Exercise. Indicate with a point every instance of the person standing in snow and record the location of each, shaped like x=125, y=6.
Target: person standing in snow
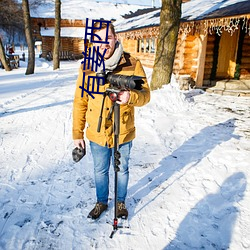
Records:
x=86, y=109
x=11, y=50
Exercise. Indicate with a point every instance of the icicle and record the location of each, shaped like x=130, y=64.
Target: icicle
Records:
x=216, y=25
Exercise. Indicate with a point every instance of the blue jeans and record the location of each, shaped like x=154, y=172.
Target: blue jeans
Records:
x=102, y=158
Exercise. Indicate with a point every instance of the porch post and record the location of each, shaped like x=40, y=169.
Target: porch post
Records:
x=202, y=39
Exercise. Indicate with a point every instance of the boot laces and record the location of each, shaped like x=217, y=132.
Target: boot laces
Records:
x=97, y=208
x=121, y=206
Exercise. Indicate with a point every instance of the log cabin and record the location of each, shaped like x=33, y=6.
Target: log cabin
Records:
x=213, y=41
x=72, y=37
x=73, y=14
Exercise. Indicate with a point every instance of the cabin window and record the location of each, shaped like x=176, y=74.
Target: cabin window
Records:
x=140, y=45
x=146, y=45
x=152, y=45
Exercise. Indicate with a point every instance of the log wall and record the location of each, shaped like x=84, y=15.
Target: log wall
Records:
x=74, y=45
x=50, y=22
x=190, y=54
x=186, y=56
x=179, y=59
x=132, y=46
x=185, y=59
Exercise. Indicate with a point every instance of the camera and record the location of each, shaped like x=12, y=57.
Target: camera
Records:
x=117, y=83
x=122, y=81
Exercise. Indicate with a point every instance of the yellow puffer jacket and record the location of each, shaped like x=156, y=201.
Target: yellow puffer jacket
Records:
x=87, y=109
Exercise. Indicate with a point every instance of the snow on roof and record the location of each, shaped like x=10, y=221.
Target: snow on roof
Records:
x=197, y=9
x=145, y=20
x=78, y=9
x=65, y=32
x=192, y=10
x=138, y=2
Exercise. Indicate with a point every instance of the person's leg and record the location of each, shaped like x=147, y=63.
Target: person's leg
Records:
x=123, y=174
x=101, y=157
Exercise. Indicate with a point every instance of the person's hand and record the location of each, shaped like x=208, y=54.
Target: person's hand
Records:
x=78, y=152
x=123, y=97
x=79, y=143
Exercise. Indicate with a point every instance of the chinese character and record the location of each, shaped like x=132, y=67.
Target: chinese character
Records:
x=95, y=58
x=99, y=80
x=92, y=34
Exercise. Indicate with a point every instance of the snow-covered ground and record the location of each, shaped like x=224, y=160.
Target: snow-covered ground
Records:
x=189, y=170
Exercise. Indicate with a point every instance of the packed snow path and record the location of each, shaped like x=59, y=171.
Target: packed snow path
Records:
x=189, y=170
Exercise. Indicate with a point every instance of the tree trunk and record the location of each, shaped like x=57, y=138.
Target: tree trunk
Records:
x=168, y=34
x=29, y=38
x=56, y=59
x=3, y=57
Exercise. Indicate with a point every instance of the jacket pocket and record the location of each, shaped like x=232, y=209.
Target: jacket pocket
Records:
x=126, y=119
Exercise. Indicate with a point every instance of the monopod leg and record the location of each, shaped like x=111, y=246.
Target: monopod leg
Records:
x=116, y=161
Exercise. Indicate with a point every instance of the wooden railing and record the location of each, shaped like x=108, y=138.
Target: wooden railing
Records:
x=63, y=55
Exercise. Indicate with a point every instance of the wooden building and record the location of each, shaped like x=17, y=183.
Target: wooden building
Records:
x=212, y=45
x=73, y=14
x=72, y=36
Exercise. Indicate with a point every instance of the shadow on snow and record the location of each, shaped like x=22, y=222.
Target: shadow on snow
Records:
x=23, y=110
x=210, y=223
x=190, y=153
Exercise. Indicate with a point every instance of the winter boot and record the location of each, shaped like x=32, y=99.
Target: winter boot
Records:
x=97, y=210
x=122, y=211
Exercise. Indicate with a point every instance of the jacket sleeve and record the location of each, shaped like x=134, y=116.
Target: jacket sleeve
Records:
x=80, y=106
x=141, y=97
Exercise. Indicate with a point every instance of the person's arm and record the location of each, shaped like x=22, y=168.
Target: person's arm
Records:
x=80, y=106
x=140, y=97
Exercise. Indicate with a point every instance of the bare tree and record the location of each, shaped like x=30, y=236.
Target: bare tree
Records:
x=11, y=24
x=11, y=16
x=3, y=57
x=28, y=33
x=36, y=3
x=168, y=34
x=56, y=59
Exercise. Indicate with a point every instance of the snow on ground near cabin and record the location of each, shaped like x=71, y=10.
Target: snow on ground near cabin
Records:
x=189, y=169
